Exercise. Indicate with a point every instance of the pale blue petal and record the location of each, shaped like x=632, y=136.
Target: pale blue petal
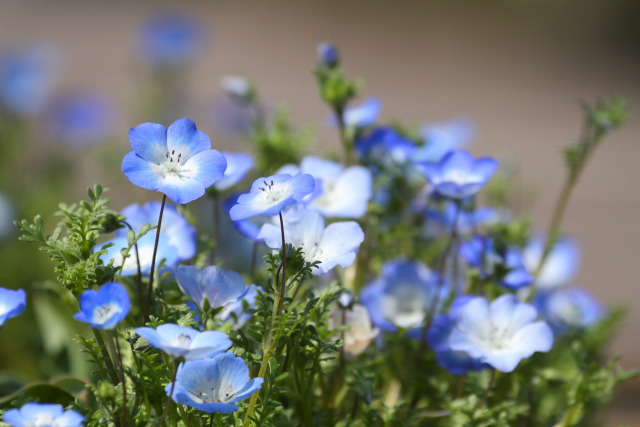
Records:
x=207, y=167
x=222, y=286
x=271, y=236
x=140, y=172
x=180, y=190
x=149, y=141
x=238, y=164
x=505, y=361
x=185, y=138
x=191, y=283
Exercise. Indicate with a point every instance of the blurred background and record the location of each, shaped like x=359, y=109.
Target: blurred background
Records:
x=89, y=71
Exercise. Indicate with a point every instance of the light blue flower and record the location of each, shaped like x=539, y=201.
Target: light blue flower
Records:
x=328, y=54
x=568, y=308
x=179, y=341
x=12, y=303
x=104, y=308
x=440, y=138
x=440, y=221
x=250, y=227
x=500, y=333
x=239, y=311
x=218, y=286
x=238, y=164
x=213, y=385
x=42, y=415
x=337, y=244
x=268, y=196
x=171, y=41
x=402, y=295
x=561, y=264
x=178, y=161
x=339, y=191
x=384, y=147
x=458, y=174
x=362, y=115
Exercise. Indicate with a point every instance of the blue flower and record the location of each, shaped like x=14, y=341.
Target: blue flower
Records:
x=213, y=385
x=328, y=54
x=179, y=341
x=402, y=295
x=466, y=221
x=268, y=196
x=178, y=161
x=12, y=303
x=171, y=41
x=384, y=146
x=339, y=191
x=104, y=308
x=238, y=164
x=500, y=334
x=250, y=227
x=304, y=228
x=561, y=264
x=458, y=174
x=42, y=415
x=568, y=308
x=362, y=115
x=440, y=138
x=218, y=286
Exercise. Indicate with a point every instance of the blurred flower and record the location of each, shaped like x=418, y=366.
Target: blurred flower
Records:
x=384, y=146
x=238, y=164
x=328, y=54
x=80, y=119
x=500, y=334
x=561, y=264
x=104, y=308
x=362, y=115
x=213, y=385
x=178, y=161
x=458, y=174
x=42, y=415
x=440, y=221
x=239, y=311
x=402, y=295
x=238, y=88
x=12, y=303
x=440, y=138
x=304, y=228
x=250, y=227
x=171, y=41
x=568, y=308
x=178, y=341
x=27, y=79
x=268, y=196
x=359, y=332
x=339, y=191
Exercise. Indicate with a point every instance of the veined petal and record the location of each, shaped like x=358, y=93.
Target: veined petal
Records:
x=149, y=141
x=207, y=167
x=185, y=138
x=140, y=172
x=222, y=286
x=181, y=190
x=191, y=283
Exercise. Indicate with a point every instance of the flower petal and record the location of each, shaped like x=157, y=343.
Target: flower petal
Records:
x=140, y=172
x=185, y=138
x=149, y=141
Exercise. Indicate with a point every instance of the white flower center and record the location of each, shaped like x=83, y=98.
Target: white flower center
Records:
x=3, y=310
x=271, y=193
x=182, y=341
x=405, y=307
x=459, y=177
x=216, y=393
x=105, y=312
x=42, y=420
x=173, y=165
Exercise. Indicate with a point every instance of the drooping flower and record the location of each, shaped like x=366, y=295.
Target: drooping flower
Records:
x=500, y=333
x=402, y=295
x=42, y=415
x=238, y=164
x=104, y=308
x=458, y=175
x=268, y=196
x=178, y=161
x=561, y=264
x=12, y=303
x=362, y=115
x=304, y=228
x=179, y=341
x=328, y=54
x=339, y=192
x=568, y=308
x=213, y=385
x=359, y=332
x=440, y=138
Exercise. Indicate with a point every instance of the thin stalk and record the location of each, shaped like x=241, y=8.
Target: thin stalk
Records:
x=142, y=382
x=489, y=386
x=143, y=306
x=153, y=258
x=122, y=378
x=346, y=146
x=284, y=267
x=254, y=256
x=106, y=356
x=173, y=386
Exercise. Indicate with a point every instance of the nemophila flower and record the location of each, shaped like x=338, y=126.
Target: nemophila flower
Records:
x=178, y=161
x=268, y=196
x=339, y=191
x=456, y=362
x=42, y=415
x=250, y=227
x=560, y=266
x=12, y=303
x=568, y=308
x=104, y=308
x=80, y=119
x=337, y=244
x=358, y=333
x=219, y=287
x=458, y=175
x=328, y=54
x=362, y=115
x=480, y=253
x=402, y=295
x=500, y=333
x=238, y=164
x=439, y=221
x=179, y=341
x=440, y=138
x=213, y=385
x=238, y=88
x=171, y=41
x=384, y=146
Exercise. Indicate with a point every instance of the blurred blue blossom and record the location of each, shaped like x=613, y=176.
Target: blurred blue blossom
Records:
x=178, y=161
x=500, y=333
x=179, y=341
x=362, y=115
x=12, y=303
x=171, y=41
x=238, y=164
x=440, y=138
x=250, y=227
x=568, y=308
x=337, y=244
x=328, y=54
x=104, y=308
x=359, y=331
x=213, y=385
x=561, y=264
x=440, y=220
x=238, y=88
x=42, y=415
x=384, y=146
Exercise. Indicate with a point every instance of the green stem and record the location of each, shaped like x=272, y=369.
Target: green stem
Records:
x=122, y=378
x=142, y=381
x=284, y=267
x=346, y=146
x=143, y=306
x=153, y=259
x=173, y=386
x=106, y=356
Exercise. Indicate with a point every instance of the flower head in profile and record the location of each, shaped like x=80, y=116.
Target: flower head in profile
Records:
x=12, y=303
x=500, y=333
x=238, y=164
x=560, y=266
x=458, y=175
x=178, y=161
x=179, y=341
x=42, y=415
x=268, y=196
x=213, y=385
x=104, y=308
x=337, y=244
x=568, y=308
